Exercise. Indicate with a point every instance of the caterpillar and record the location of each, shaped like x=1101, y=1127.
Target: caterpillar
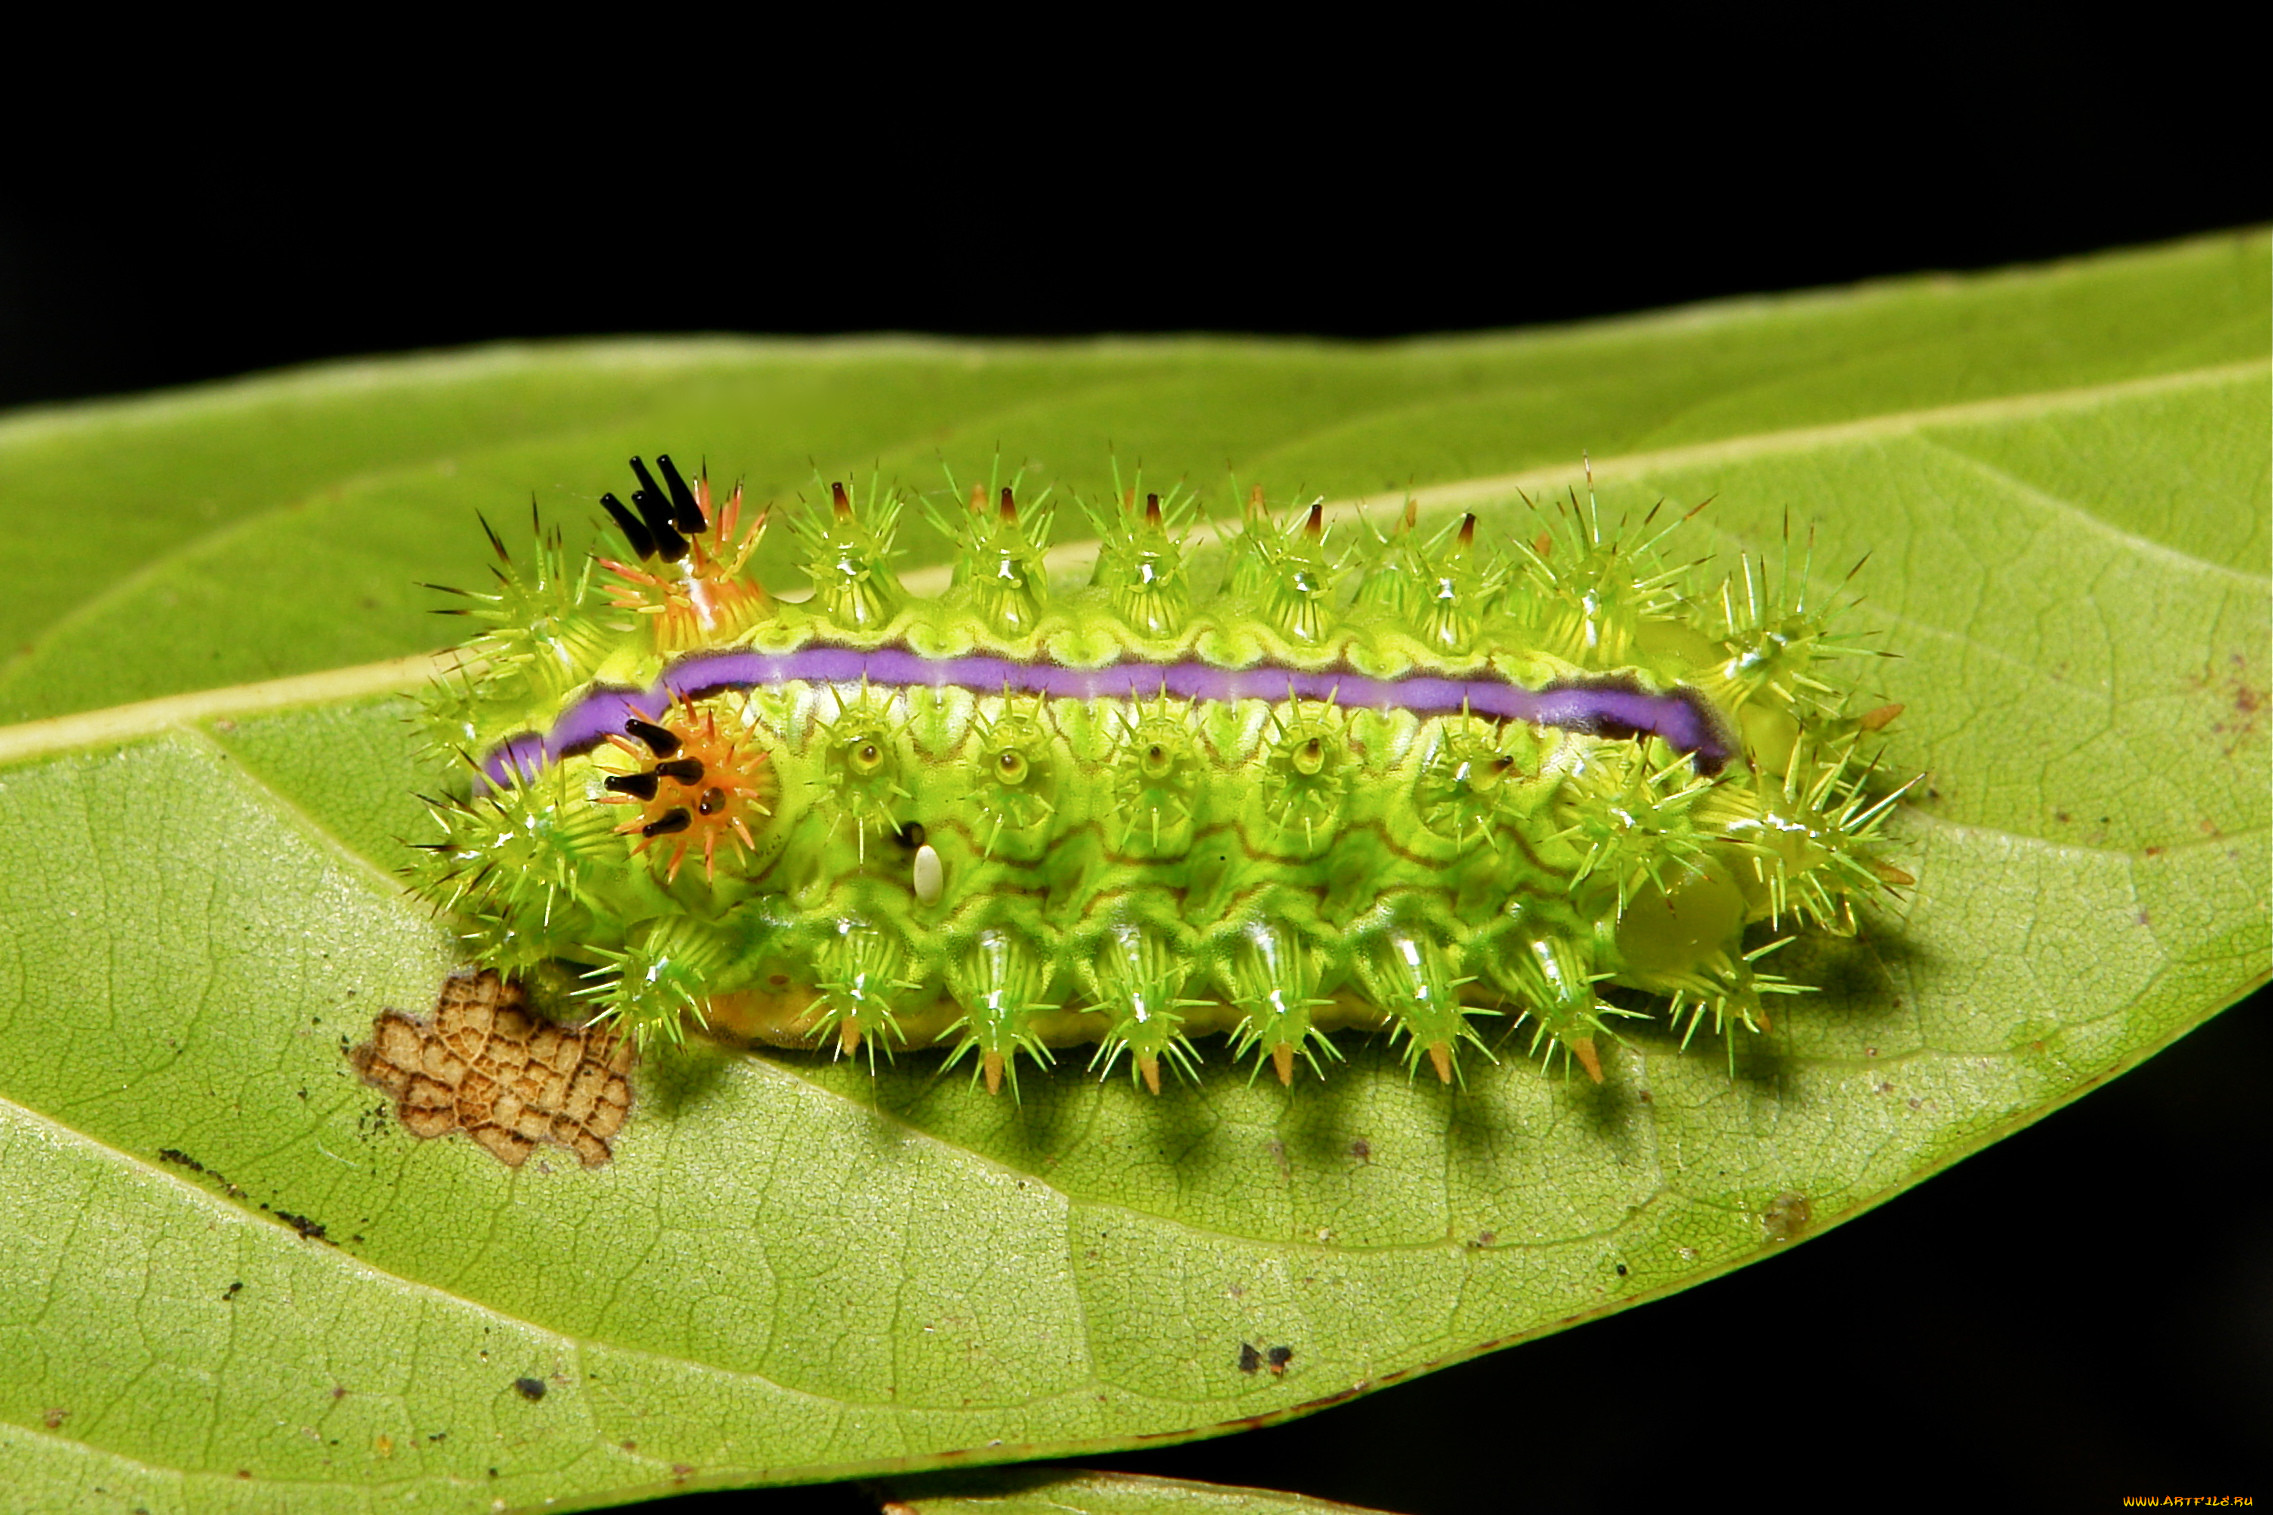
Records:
x=1417, y=787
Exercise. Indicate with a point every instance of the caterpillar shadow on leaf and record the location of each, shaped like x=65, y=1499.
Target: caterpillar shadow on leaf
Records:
x=1485, y=798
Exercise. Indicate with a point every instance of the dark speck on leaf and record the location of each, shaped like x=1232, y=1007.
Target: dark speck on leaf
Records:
x=1249, y=1358
x=1278, y=1358
x=310, y=1230
x=530, y=1389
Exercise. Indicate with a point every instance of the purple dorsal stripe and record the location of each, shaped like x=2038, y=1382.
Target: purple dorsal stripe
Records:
x=1605, y=707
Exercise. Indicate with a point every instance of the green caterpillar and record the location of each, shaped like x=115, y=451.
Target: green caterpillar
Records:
x=1412, y=789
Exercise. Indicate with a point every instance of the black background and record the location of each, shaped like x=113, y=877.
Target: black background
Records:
x=2083, y=1311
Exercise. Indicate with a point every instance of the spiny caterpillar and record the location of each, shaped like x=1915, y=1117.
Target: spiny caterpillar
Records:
x=1406, y=788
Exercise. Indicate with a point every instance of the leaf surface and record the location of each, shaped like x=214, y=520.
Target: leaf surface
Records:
x=236, y=1283
x=1078, y=1491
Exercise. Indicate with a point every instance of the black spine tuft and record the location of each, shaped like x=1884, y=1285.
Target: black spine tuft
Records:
x=687, y=515
x=634, y=530
x=654, y=508
x=656, y=739
x=669, y=822
x=685, y=770
x=639, y=786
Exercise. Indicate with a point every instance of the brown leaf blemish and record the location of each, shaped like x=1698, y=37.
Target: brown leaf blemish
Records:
x=183, y=1160
x=484, y=1065
x=2238, y=701
x=310, y=1230
x=1273, y=1358
x=1787, y=1217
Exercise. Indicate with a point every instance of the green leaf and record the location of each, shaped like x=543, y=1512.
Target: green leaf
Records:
x=1078, y=1491
x=790, y=1272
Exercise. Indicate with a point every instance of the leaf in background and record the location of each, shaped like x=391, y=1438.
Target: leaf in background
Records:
x=235, y=1282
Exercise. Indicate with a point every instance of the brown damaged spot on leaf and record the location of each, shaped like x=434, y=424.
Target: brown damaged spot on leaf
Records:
x=2239, y=698
x=181, y=1159
x=1787, y=1217
x=1274, y=1358
x=513, y=1081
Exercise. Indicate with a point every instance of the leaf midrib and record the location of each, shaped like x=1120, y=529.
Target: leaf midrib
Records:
x=1067, y=557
